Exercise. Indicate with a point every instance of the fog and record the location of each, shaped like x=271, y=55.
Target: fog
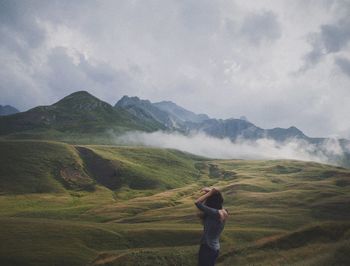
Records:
x=204, y=145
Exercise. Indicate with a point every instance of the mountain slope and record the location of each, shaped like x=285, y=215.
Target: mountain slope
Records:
x=180, y=113
x=78, y=113
x=230, y=128
x=168, y=113
x=144, y=110
x=238, y=128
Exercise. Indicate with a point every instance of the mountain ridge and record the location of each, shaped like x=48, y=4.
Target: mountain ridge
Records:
x=83, y=118
x=175, y=117
x=166, y=115
x=79, y=112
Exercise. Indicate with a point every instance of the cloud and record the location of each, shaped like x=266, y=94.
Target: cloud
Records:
x=65, y=74
x=344, y=65
x=331, y=38
x=20, y=31
x=261, y=26
x=204, y=145
x=224, y=58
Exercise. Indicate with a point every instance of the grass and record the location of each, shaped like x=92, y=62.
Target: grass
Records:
x=138, y=208
x=320, y=244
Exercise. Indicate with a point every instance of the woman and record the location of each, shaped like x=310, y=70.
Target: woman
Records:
x=213, y=217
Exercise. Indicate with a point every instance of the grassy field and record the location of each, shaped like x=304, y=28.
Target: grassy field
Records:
x=65, y=204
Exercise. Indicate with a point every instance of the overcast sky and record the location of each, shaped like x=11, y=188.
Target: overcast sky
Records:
x=279, y=63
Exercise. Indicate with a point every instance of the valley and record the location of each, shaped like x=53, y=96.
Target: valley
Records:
x=122, y=205
x=116, y=117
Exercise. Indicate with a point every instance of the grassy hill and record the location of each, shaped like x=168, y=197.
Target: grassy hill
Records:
x=40, y=167
x=45, y=166
x=79, y=117
x=64, y=204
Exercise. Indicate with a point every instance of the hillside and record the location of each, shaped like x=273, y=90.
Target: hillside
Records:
x=110, y=205
x=45, y=167
x=40, y=167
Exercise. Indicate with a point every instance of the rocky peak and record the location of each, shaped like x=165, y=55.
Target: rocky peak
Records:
x=127, y=101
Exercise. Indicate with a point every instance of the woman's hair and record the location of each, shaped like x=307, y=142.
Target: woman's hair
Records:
x=214, y=201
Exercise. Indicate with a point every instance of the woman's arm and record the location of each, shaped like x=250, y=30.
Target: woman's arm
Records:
x=208, y=193
x=207, y=210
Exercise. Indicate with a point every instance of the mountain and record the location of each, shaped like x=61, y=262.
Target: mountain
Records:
x=168, y=113
x=229, y=128
x=82, y=118
x=282, y=134
x=79, y=113
x=145, y=110
x=7, y=110
x=174, y=117
x=180, y=113
x=237, y=128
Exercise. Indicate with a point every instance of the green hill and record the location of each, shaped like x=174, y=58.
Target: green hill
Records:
x=109, y=205
x=79, y=117
x=47, y=166
x=40, y=167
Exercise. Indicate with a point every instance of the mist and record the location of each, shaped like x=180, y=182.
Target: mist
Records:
x=211, y=147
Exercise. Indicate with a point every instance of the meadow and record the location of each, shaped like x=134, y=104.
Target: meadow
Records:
x=64, y=204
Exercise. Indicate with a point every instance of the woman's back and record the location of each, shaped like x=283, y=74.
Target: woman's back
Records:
x=214, y=217
x=212, y=226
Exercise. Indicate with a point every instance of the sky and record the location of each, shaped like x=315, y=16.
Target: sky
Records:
x=278, y=63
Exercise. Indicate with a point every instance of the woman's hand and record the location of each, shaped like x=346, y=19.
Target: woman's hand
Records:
x=209, y=190
x=214, y=190
x=205, y=189
x=223, y=215
x=208, y=193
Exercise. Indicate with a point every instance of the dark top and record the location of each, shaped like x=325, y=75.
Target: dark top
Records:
x=212, y=226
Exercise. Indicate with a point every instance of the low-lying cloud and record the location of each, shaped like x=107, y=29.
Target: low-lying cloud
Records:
x=201, y=144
